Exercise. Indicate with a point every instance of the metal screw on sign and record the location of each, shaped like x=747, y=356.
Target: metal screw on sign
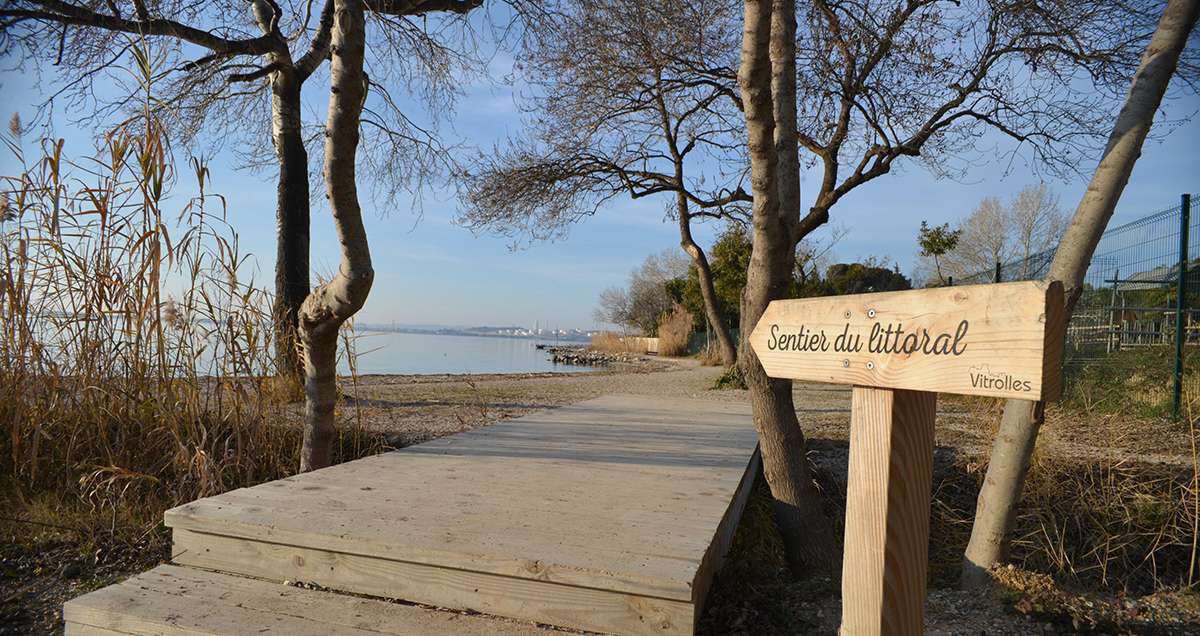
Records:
x=870, y=313
x=870, y=365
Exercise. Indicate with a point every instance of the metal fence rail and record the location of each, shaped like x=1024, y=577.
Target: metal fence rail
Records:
x=1136, y=291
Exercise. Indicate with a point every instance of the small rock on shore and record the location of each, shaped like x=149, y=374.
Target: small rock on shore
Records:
x=582, y=356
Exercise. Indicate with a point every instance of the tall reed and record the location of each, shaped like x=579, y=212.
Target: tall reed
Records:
x=609, y=342
x=135, y=361
x=674, y=332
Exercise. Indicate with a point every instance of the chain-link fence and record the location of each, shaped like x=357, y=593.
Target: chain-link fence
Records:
x=1141, y=288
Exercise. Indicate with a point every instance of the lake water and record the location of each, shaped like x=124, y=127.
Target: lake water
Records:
x=418, y=353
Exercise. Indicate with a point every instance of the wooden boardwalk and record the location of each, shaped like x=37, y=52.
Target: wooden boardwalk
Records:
x=610, y=515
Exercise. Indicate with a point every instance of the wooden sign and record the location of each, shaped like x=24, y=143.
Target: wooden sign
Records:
x=900, y=349
x=1001, y=340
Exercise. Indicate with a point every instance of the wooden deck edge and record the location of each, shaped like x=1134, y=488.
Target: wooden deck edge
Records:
x=723, y=539
x=545, y=602
x=630, y=583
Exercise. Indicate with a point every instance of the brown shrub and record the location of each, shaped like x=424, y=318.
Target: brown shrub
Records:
x=710, y=356
x=674, y=331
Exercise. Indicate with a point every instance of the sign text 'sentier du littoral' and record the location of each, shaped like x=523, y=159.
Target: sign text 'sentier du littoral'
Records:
x=1001, y=340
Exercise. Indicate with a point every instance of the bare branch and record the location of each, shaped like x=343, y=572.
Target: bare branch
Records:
x=67, y=13
x=257, y=74
x=418, y=7
x=916, y=78
x=318, y=49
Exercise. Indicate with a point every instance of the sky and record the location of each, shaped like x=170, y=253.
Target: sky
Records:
x=430, y=271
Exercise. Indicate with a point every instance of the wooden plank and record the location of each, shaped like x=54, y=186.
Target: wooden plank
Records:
x=887, y=511
x=610, y=515
x=1002, y=340
x=546, y=602
x=256, y=518
x=476, y=551
x=176, y=600
x=554, y=490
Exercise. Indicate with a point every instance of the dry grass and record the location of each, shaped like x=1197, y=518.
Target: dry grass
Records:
x=1137, y=381
x=1112, y=498
x=1127, y=520
x=133, y=349
x=1093, y=516
x=609, y=342
x=1111, y=525
x=674, y=331
x=709, y=356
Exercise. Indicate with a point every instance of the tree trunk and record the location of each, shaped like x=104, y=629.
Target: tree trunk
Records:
x=996, y=508
x=292, y=218
x=328, y=306
x=707, y=292
x=783, y=94
x=805, y=529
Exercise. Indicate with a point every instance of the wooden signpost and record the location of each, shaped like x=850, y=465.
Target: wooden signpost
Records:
x=899, y=350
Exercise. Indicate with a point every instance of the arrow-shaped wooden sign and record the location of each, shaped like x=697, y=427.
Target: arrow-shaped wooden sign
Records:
x=1000, y=340
x=900, y=349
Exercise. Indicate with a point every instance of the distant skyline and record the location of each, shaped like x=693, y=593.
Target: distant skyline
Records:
x=429, y=271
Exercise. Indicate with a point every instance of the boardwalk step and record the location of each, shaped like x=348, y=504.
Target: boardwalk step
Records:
x=171, y=600
x=610, y=515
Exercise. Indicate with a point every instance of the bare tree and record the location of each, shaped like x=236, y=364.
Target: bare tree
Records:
x=646, y=300
x=1022, y=419
x=255, y=58
x=613, y=306
x=1036, y=222
x=814, y=256
x=926, y=80
x=984, y=239
x=627, y=102
x=1030, y=225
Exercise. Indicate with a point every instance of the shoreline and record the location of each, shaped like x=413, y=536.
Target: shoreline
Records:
x=645, y=364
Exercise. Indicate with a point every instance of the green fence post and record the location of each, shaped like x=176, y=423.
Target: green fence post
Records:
x=1185, y=205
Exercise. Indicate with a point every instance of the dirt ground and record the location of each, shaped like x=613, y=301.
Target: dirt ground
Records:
x=43, y=566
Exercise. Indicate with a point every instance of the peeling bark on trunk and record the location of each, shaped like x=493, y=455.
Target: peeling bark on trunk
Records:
x=707, y=292
x=995, y=510
x=805, y=529
x=331, y=304
x=292, y=218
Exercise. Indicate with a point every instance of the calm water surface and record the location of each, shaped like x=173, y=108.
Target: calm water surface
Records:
x=413, y=353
